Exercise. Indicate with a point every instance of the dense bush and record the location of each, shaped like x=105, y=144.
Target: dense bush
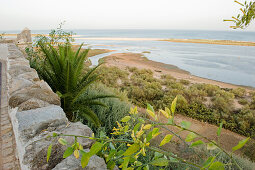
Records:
x=115, y=110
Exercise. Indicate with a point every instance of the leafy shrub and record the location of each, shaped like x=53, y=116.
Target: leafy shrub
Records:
x=115, y=110
x=243, y=101
x=184, y=82
x=239, y=92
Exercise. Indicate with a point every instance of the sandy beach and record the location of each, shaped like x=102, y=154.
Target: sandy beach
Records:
x=123, y=60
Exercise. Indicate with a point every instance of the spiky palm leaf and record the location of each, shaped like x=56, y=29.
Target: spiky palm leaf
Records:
x=62, y=70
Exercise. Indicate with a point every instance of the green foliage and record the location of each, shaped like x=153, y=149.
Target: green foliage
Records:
x=184, y=82
x=116, y=108
x=62, y=69
x=239, y=92
x=247, y=15
x=243, y=101
x=131, y=146
x=205, y=102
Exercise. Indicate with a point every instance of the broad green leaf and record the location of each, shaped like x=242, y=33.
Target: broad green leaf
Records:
x=160, y=162
x=85, y=160
x=173, y=106
x=49, y=152
x=240, y=144
x=152, y=114
x=155, y=132
x=96, y=147
x=167, y=111
x=149, y=107
x=219, y=129
x=146, y=167
x=147, y=127
x=208, y=162
x=197, y=143
x=190, y=137
x=185, y=124
x=125, y=162
x=149, y=136
x=136, y=127
x=164, y=113
x=158, y=155
x=132, y=149
x=166, y=139
x=217, y=166
x=135, y=110
x=211, y=146
x=68, y=152
x=62, y=141
x=125, y=119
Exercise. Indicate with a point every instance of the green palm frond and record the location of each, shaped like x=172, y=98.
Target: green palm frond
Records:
x=62, y=69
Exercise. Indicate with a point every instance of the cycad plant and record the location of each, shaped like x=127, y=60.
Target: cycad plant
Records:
x=63, y=69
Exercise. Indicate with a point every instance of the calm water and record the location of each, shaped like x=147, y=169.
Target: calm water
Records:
x=231, y=64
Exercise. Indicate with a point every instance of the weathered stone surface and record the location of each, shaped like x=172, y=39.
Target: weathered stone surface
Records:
x=32, y=75
x=17, y=70
x=19, y=83
x=71, y=163
x=35, y=91
x=32, y=104
x=36, y=154
x=18, y=62
x=32, y=122
x=78, y=129
x=24, y=36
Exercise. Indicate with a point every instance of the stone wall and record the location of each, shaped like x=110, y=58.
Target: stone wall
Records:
x=35, y=113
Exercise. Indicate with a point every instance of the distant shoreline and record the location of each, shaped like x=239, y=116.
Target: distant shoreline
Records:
x=197, y=41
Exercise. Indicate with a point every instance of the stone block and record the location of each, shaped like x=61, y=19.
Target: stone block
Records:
x=32, y=122
x=71, y=163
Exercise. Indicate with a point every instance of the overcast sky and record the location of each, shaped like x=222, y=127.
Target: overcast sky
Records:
x=117, y=14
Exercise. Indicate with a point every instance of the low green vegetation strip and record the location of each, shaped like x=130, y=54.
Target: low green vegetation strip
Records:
x=209, y=103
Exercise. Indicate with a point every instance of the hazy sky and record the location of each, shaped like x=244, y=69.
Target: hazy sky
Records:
x=117, y=14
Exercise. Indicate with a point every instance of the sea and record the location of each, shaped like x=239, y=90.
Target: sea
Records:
x=225, y=63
